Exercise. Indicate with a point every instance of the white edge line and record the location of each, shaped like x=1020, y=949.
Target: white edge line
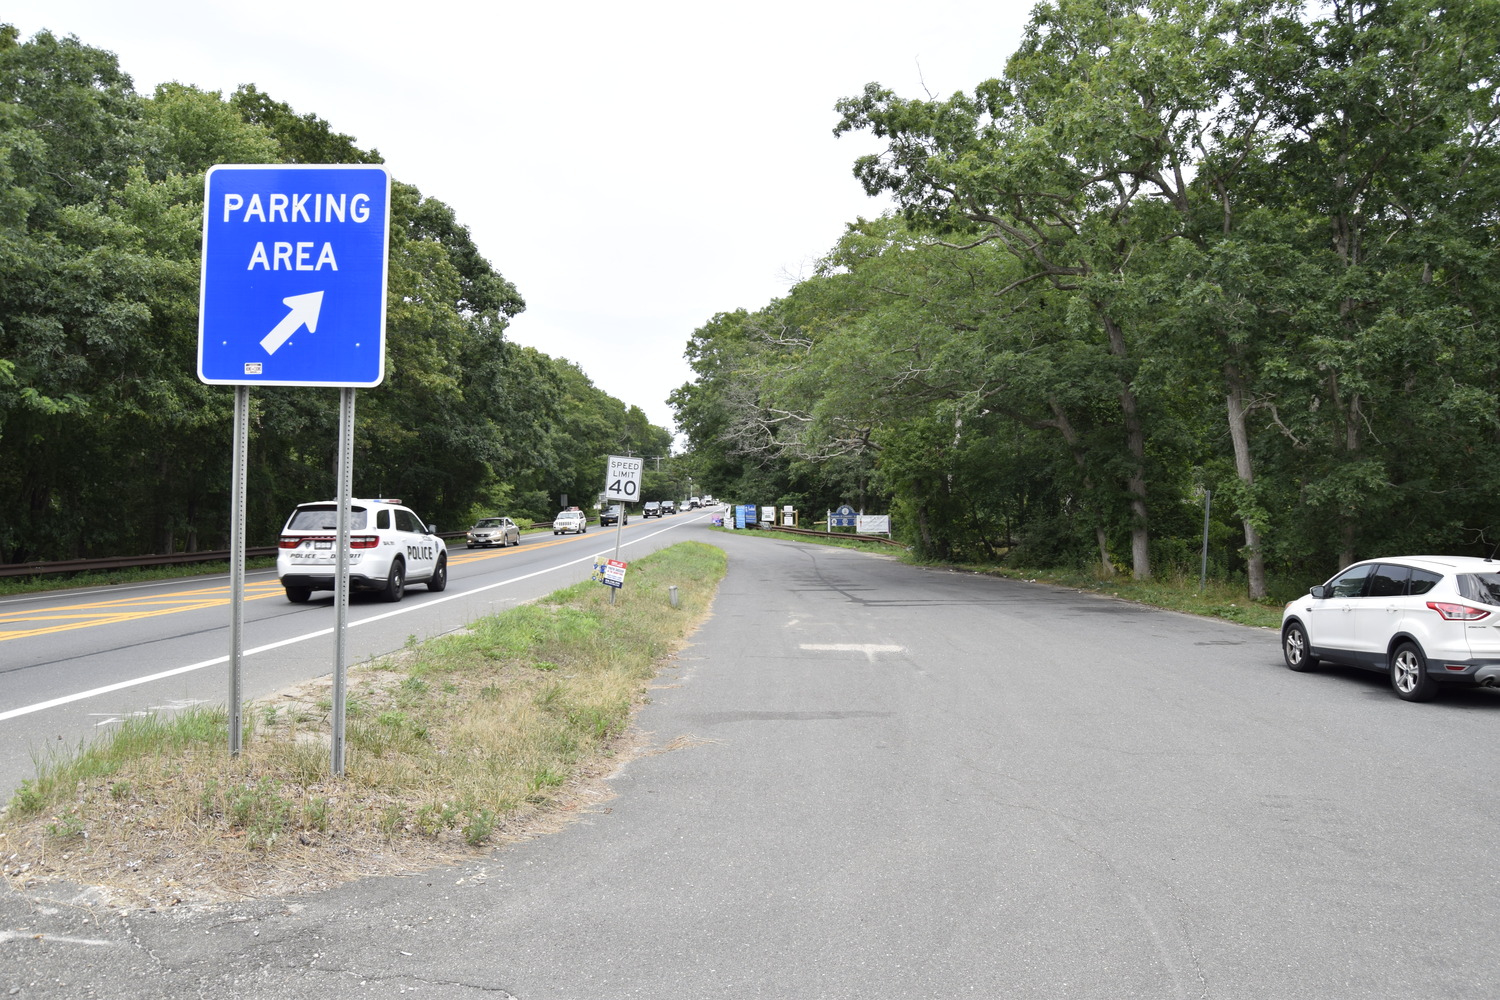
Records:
x=42, y=706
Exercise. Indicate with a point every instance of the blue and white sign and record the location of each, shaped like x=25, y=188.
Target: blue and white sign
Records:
x=294, y=274
x=843, y=517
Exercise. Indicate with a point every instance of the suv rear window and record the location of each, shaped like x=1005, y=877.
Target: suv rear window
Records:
x=325, y=517
x=1481, y=587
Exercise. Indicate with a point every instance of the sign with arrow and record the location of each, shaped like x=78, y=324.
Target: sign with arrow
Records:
x=294, y=275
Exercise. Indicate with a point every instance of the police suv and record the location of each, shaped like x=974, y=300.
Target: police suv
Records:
x=389, y=546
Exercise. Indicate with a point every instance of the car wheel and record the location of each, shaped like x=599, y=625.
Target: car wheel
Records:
x=469, y=545
x=557, y=532
x=1294, y=648
x=1409, y=674
x=438, y=581
x=395, y=584
x=298, y=595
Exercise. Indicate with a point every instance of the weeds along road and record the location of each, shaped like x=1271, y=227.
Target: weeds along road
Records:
x=865, y=779
x=73, y=663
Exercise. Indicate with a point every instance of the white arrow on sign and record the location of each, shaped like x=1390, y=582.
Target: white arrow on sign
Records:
x=304, y=310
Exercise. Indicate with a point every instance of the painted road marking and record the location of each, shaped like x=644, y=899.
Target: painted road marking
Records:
x=410, y=608
x=868, y=648
x=114, y=610
x=87, y=614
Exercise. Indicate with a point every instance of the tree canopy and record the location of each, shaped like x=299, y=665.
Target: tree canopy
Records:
x=110, y=445
x=1177, y=246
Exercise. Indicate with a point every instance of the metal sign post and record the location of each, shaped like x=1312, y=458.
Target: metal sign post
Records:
x=241, y=435
x=293, y=293
x=1208, y=499
x=622, y=481
x=341, y=583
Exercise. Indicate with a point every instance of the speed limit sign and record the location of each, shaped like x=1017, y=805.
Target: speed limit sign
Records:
x=623, y=480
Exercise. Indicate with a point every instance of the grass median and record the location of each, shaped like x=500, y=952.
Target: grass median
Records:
x=452, y=745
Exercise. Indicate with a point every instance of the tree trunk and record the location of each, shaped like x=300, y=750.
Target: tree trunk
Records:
x=1135, y=484
x=1255, y=560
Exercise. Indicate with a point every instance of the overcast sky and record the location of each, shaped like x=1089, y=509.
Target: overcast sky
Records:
x=633, y=169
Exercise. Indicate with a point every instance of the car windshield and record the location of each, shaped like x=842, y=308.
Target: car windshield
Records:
x=489, y=522
x=1481, y=587
x=325, y=517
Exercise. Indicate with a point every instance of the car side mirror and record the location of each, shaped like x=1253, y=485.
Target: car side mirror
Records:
x=1319, y=592
x=432, y=529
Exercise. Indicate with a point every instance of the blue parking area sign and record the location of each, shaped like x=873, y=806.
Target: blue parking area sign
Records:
x=294, y=275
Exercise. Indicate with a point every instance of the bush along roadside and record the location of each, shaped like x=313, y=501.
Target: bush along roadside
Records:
x=451, y=746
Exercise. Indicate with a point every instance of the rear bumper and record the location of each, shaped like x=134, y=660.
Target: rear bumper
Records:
x=318, y=581
x=1483, y=673
x=1488, y=675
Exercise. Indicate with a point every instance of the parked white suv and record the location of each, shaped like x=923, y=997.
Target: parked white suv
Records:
x=1424, y=620
x=389, y=546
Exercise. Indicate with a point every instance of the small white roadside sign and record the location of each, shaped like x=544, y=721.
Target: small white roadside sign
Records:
x=622, y=481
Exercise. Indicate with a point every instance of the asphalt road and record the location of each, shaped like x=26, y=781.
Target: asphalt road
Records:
x=74, y=663
x=875, y=780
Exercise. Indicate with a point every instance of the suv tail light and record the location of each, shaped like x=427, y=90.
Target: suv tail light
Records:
x=355, y=541
x=1457, y=612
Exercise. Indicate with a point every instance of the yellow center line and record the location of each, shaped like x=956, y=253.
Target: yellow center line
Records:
x=88, y=614
x=115, y=610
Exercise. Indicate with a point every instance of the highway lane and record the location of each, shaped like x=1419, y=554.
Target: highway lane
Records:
x=75, y=662
x=868, y=779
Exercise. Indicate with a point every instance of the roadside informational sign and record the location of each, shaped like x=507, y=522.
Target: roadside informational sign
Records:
x=744, y=515
x=610, y=572
x=843, y=517
x=622, y=480
x=294, y=275
x=873, y=524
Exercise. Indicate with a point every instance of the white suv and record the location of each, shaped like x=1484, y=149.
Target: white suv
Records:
x=389, y=546
x=570, y=521
x=1425, y=620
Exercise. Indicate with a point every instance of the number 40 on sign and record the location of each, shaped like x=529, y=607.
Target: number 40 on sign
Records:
x=623, y=480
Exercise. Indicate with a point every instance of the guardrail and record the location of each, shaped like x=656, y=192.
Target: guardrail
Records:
x=39, y=568
x=139, y=562
x=124, y=562
x=834, y=534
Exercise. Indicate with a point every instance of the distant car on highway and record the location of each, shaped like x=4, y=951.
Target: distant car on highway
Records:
x=694, y=502
x=389, y=546
x=651, y=508
x=570, y=521
x=487, y=531
x=1425, y=621
x=669, y=506
x=612, y=514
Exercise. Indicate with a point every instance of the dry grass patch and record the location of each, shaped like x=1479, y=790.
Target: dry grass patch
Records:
x=450, y=747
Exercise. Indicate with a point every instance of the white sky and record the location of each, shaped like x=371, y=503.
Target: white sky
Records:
x=633, y=170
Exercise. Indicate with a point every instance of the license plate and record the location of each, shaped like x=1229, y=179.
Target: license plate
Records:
x=322, y=545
